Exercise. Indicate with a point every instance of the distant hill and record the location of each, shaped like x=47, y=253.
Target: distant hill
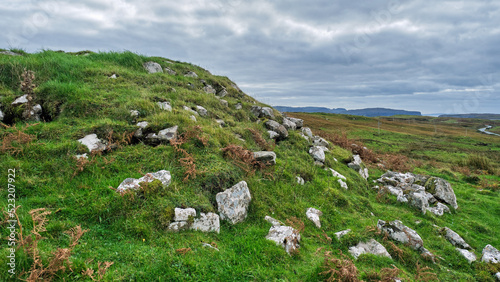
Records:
x=369, y=112
x=481, y=116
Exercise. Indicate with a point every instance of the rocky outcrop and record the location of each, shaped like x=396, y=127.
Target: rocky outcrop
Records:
x=490, y=254
x=93, y=143
x=132, y=183
x=371, y=247
x=266, y=157
x=288, y=124
x=284, y=236
x=152, y=67
x=455, y=239
x=399, y=232
x=424, y=192
x=357, y=165
x=233, y=203
x=313, y=215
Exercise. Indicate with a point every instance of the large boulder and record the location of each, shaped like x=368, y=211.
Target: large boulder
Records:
x=317, y=153
x=441, y=189
x=370, y=247
x=233, y=203
x=399, y=232
x=131, y=183
x=93, y=143
x=490, y=254
x=313, y=215
x=152, y=67
x=266, y=157
x=284, y=236
x=455, y=239
x=278, y=128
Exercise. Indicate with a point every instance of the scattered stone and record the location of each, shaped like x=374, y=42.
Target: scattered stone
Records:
x=289, y=125
x=284, y=236
x=490, y=255
x=317, y=153
x=318, y=141
x=307, y=132
x=357, y=165
x=238, y=106
x=193, y=118
x=314, y=214
x=178, y=226
x=142, y=124
x=233, y=203
x=93, y=143
x=184, y=214
x=262, y=112
x=318, y=163
x=191, y=74
x=239, y=137
x=209, y=89
x=455, y=239
x=399, y=232
x=169, y=71
x=273, y=221
x=300, y=180
x=220, y=122
x=113, y=76
x=20, y=100
x=342, y=233
x=224, y=103
x=497, y=275
x=166, y=134
x=441, y=189
x=132, y=183
x=201, y=111
x=273, y=134
x=186, y=108
x=419, y=200
x=335, y=173
x=81, y=156
x=468, y=255
x=9, y=53
x=165, y=106
x=266, y=157
x=209, y=222
x=34, y=114
x=209, y=246
x=152, y=67
x=1, y=115
x=370, y=247
x=222, y=92
x=298, y=122
x=134, y=113
x=342, y=184
x=278, y=128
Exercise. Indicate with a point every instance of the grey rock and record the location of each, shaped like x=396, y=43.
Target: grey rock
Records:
x=273, y=134
x=497, y=275
x=342, y=183
x=209, y=89
x=132, y=183
x=318, y=141
x=92, y=142
x=113, y=76
x=238, y=106
x=209, y=246
x=399, y=232
x=300, y=180
x=170, y=71
x=307, y=132
x=289, y=125
x=419, y=200
x=209, y=222
x=370, y=247
x=186, y=108
x=441, y=189
x=490, y=255
x=184, y=214
x=262, y=112
x=317, y=153
x=236, y=87
x=222, y=92
x=201, y=111
x=357, y=164
x=142, y=124
x=20, y=100
x=1, y=115
x=178, y=226
x=313, y=215
x=455, y=239
x=81, y=156
x=134, y=113
x=152, y=67
x=342, y=233
x=285, y=236
x=34, y=114
x=239, y=137
x=9, y=53
x=439, y=209
x=193, y=118
x=220, y=122
x=233, y=203
x=468, y=255
x=224, y=103
x=298, y=122
x=191, y=74
x=336, y=174
x=267, y=157
x=278, y=128
x=165, y=106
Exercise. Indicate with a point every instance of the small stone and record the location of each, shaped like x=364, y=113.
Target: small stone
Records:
x=336, y=174
x=92, y=142
x=490, y=255
x=152, y=67
x=209, y=89
x=314, y=214
x=184, y=214
x=272, y=134
x=209, y=222
x=317, y=153
x=113, y=76
x=142, y=124
x=266, y=157
x=300, y=180
x=209, y=246
x=169, y=71
x=222, y=92
x=238, y=106
x=307, y=132
x=455, y=239
x=224, y=103
x=81, y=156
x=193, y=118
x=342, y=183
x=285, y=236
x=273, y=221
x=134, y=113
x=178, y=226
x=298, y=122
x=201, y=111
x=370, y=247
x=132, y=183
x=20, y=100
x=186, y=108
x=165, y=106
x=289, y=125
x=168, y=133
x=468, y=255
x=342, y=233
x=191, y=74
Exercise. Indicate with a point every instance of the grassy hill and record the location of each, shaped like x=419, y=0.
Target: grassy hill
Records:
x=78, y=98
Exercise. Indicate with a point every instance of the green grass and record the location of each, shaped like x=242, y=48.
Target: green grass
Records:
x=78, y=98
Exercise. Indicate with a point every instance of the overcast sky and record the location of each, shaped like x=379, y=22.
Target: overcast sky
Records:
x=429, y=56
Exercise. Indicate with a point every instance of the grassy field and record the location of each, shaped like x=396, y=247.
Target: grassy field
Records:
x=79, y=98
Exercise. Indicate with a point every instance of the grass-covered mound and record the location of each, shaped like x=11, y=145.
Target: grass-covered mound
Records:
x=78, y=98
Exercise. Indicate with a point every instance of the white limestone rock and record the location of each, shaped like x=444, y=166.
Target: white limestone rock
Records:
x=233, y=203
x=152, y=67
x=455, y=239
x=92, y=142
x=209, y=222
x=317, y=153
x=266, y=157
x=184, y=214
x=336, y=174
x=285, y=236
x=401, y=233
x=342, y=233
x=132, y=183
x=370, y=247
x=313, y=215
x=165, y=106
x=468, y=255
x=490, y=254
